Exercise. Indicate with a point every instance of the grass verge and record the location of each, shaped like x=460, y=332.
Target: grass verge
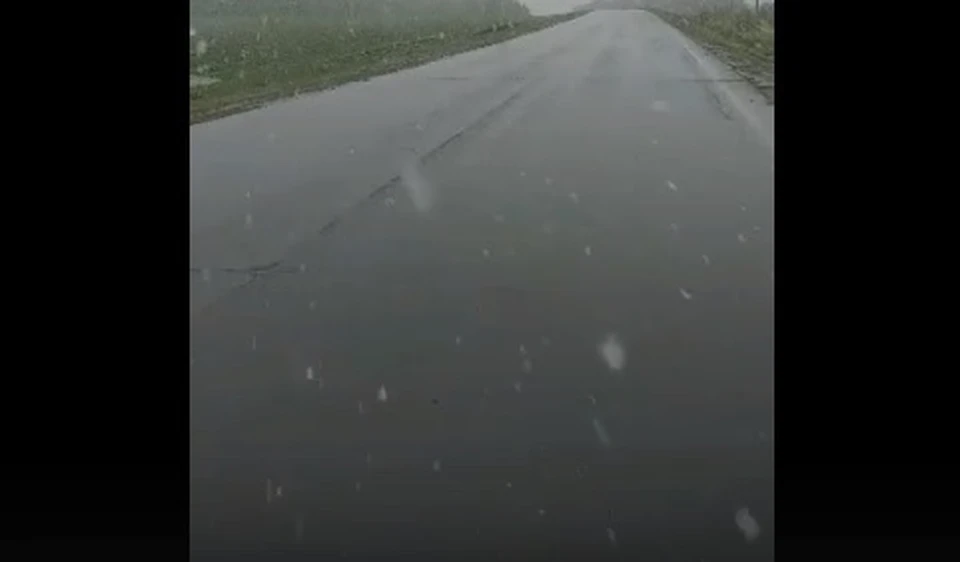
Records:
x=251, y=63
x=739, y=37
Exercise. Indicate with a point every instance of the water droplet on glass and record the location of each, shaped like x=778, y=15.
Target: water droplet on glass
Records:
x=685, y=294
x=587, y=250
x=436, y=465
x=612, y=536
x=382, y=394
x=248, y=221
x=612, y=352
x=574, y=197
x=747, y=524
x=601, y=432
x=671, y=185
x=742, y=237
x=706, y=259
x=201, y=48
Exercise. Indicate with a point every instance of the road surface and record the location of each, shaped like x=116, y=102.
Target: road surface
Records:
x=516, y=304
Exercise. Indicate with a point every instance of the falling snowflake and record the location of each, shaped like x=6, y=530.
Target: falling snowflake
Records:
x=253, y=343
x=612, y=536
x=518, y=386
x=523, y=349
x=574, y=197
x=312, y=305
x=269, y=491
x=654, y=142
x=382, y=394
x=271, y=137
x=486, y=253
x=509, y=484
x=310, y=375
x=685, y=294
x=548, y=181
x=587, y=250
x=674, y=227
x=527, y=365
x=743, y=208
x=360, y=409
x=523, y=174
x=248, y=221
x=279, y=491
x=498, y=218
x=545, y=341
x=660, y=106
x=601, y=432
x=201, y=48
x=671, y=185
x=303, y=268
x=747, y=524
x=458, y=340
x=613, y=353
x=205, y=275
x=193, y=32
x=742, y=237
x=706, y=259
x=442, y=35
x=352, y=150
x=356, y=486
x=592, y=399
x=436, y=465
x=389, y=201
x=542, y=512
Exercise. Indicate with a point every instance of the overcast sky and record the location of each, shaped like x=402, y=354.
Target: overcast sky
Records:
x=538, y=7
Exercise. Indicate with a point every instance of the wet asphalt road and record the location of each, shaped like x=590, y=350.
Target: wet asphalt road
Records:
x=417, y=369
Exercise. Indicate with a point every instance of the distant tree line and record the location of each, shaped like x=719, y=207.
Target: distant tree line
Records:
x=365, y=11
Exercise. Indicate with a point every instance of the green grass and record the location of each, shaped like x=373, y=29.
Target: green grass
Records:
x=739, y=37
x=257, y=61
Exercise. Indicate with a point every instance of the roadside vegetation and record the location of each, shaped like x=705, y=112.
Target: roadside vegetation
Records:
x=736, y=34
x=247, y=52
